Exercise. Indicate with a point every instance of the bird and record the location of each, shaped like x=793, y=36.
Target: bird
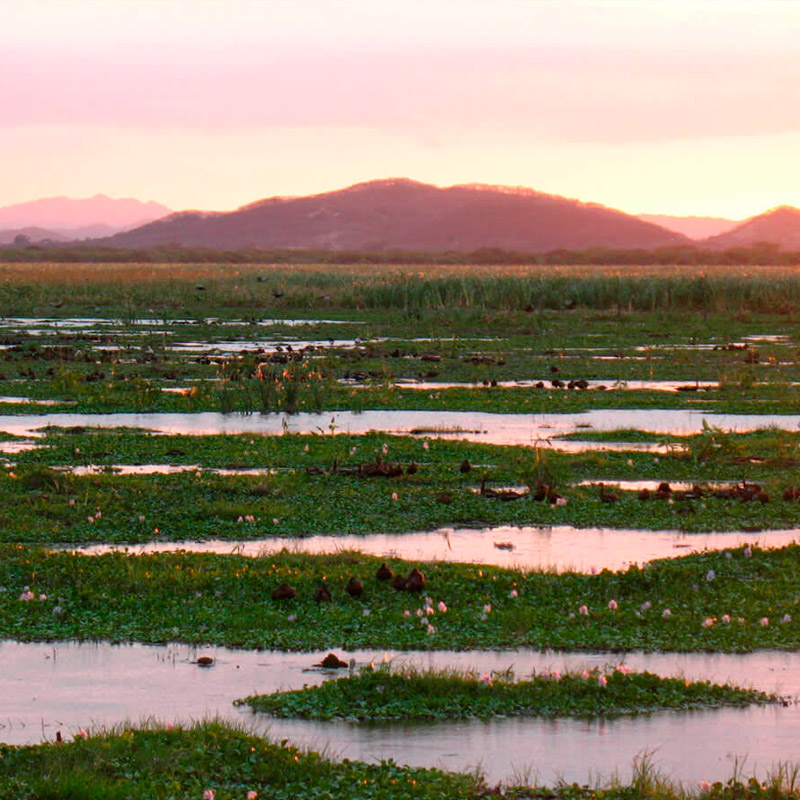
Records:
x=323, y=594
x=412, y=468
x=332, y=661
x=384, y=573
x=354, y=587
x=465, y=466
x=415, y=582
x=284, y=592
x=399, y=583
x=607, y=497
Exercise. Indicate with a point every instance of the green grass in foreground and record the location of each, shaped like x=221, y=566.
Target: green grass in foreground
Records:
x=738, y=601
x=384, y=694
x=216, y=760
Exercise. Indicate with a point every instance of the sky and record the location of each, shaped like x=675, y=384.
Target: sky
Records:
x=660, y=106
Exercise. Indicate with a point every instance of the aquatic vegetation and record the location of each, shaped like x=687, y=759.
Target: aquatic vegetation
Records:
x=227, y=600
x=385, y=694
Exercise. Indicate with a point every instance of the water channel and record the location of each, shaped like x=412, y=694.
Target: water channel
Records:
x=67, y=686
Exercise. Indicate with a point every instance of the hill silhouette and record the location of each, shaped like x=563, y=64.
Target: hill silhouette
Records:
x=694, y=227
x=779, y=226
x=79, y=218
x=400, y=214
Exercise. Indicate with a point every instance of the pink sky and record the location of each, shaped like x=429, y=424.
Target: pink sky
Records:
x=648, y=106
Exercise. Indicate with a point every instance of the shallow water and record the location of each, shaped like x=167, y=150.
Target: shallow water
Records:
x=561, y=548
x=610, y=385
x=524, y=429
x=66, y=686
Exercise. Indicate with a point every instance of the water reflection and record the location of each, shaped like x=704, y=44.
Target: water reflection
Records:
x=525, y=429
x=560, y=548
x=65, y=686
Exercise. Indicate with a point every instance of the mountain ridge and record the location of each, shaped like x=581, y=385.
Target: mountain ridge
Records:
x=402, y=214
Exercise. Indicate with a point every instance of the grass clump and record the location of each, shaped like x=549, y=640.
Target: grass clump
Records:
x=739, y=601
x=410, y=694
x=209, y=760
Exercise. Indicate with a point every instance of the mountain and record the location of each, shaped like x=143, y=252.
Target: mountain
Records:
x=93, y=216
x=400, y=214
x=33, y=235
x=779, y=226
x=693, y=227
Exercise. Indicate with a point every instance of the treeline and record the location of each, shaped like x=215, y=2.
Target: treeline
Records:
x=762, y=254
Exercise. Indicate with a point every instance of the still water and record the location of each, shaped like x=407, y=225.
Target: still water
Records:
x=66, y=686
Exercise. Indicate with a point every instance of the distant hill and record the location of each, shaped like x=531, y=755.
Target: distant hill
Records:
x=400, y=214
x=779, y=226
x=78, y=219
x=693, y=227
x=32, y=234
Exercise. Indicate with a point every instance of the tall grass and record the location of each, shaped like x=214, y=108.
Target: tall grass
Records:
x=169, y=290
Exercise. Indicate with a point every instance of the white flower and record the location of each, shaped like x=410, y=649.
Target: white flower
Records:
x=710, y=575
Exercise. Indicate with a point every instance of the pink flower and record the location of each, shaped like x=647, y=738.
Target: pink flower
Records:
x=428, y=611
x=555, y=675
x=584, y=611
x=252, y=795
x=90, y=519
x=419, y=612
x=666, y=613
x=385, y=449
x=43, y=597
x=748, y=552
x=486, y=678
x=394, y=495
x=513, y=593
x=624, y=669
x=169, y=726
x=763, y=622
x=407, y=613
x=208, y=794
x=704, y=786
x=585, y=674
x=726, y=618
x=431, y=629
x=426, y=446
x=82, y=734
x=602, y=680
x=305, y=449
x=442, y=607
x=487, y=608
x=612, y=605
x=561, y=501
x=647, y=605
x=708, y=622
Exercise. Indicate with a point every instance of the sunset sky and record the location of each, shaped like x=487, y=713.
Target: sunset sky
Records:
x=655, y=106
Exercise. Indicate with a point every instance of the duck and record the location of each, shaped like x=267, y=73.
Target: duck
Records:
x=284, y=592
x=323, y=594
x=415, y=582
x=607, y=497
x=384, y=573
x=354, y=587
x=465, y=466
